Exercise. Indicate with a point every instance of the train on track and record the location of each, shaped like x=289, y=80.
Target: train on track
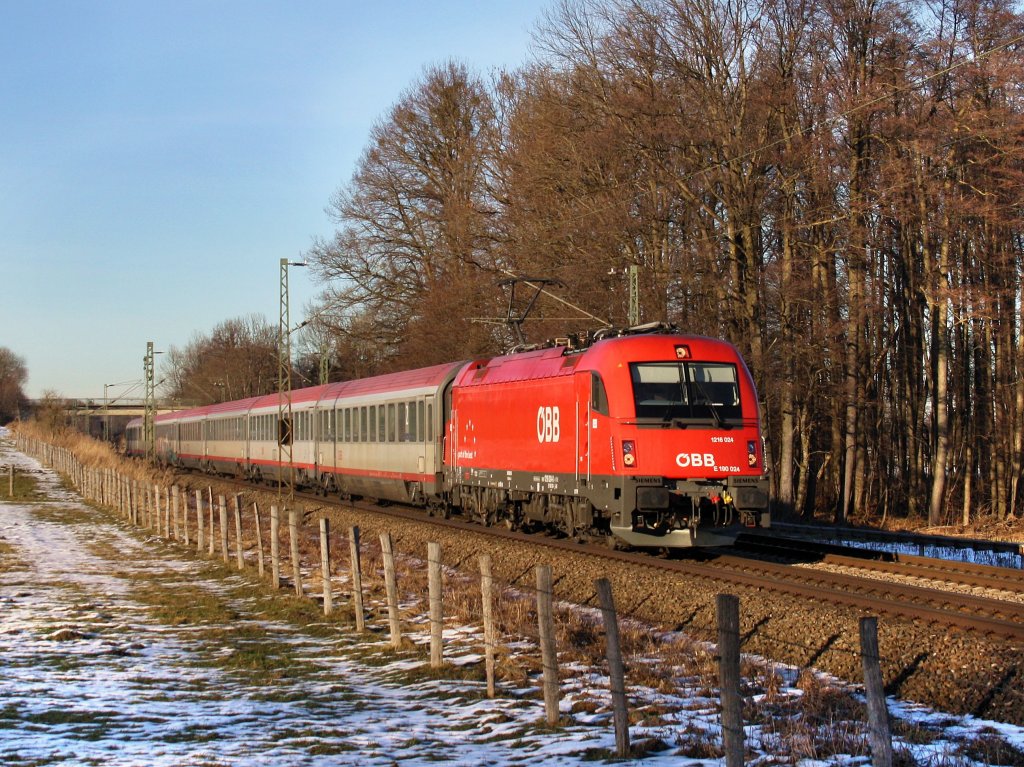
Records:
x=643, y=437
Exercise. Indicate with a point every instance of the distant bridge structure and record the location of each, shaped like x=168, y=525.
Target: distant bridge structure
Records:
x=89, y=415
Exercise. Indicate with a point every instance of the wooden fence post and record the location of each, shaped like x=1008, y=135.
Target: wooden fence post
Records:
x=184, y=518
x=391, y=587
x=729, y=678
x=222, y=513
x=275, y=546
x=874, y=689
x=259, y=540
x=293, y=533
x=10, y=480
x=239, y=549
x=549, y=655
x=325, y=562
x=200, y=522
x=436, y=614
x=355, y=563
x=616, y=669
x=175, y=503
x=211, y=532
x=487, y=595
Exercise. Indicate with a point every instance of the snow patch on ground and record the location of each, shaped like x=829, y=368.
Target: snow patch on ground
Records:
x=88, y=677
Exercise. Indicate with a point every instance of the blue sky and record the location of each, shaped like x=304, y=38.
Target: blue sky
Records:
x=158, y=158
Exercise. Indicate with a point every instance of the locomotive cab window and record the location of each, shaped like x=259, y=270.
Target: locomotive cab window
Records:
x=686, y=391
x=598, y=394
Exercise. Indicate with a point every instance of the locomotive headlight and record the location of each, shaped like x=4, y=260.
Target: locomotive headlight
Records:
x=751, y=454
x=628, y=453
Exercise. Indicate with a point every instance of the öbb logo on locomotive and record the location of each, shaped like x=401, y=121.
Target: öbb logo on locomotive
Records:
x=696, y=460
x=661, y=448
x=548, y=429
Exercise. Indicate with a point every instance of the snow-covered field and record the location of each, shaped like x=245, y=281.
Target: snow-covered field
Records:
x=91, y=674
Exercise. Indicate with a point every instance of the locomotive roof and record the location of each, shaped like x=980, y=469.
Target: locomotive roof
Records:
x=602, y=354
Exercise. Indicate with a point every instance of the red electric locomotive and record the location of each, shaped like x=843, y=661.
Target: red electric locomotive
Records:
x=650, y=439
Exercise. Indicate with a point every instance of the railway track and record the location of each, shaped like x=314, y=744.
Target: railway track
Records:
x=932, y=606
x=968, y=574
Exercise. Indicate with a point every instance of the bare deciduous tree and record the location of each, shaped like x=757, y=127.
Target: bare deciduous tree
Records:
x=237, y=359
x=13, y=375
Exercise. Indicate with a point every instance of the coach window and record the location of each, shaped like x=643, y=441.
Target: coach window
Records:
x=430, y=422
x=372, y=434
x=402, y=425
x=382, y=424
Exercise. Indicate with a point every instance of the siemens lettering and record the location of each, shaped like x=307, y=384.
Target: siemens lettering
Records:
x=696, y=460
x=547, y=424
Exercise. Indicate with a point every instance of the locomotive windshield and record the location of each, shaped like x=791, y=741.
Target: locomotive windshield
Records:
x=687, y=391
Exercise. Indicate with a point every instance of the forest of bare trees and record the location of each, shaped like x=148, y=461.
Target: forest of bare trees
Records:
x=835, y=186
x=832, y=185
